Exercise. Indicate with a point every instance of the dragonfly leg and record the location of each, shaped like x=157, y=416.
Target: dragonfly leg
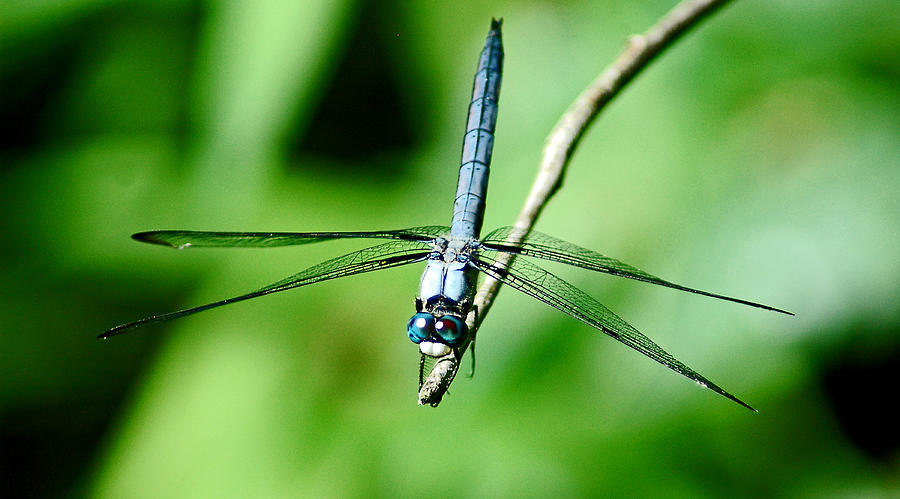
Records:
x=474, y=317
x=421, y=371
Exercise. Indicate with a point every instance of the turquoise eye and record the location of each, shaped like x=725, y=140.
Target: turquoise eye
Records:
x=420, y=327
x=451, y=329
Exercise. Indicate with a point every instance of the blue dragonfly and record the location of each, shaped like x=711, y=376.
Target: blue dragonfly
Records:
x=455, y=255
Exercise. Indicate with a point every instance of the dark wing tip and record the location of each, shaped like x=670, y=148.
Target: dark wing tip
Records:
x=760, y=305
x=152, y=237
x=718, y=389
x=738, y=300
x=147, y=237
x=748, y=406
x=109, y=333
x=712, y=295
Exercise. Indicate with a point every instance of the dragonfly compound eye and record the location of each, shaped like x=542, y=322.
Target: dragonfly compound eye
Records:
x=420, y=326
x=451, y=329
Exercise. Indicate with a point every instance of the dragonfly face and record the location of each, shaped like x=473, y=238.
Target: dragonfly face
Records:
x=437, y=336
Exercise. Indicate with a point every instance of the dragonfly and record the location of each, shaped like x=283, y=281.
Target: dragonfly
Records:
x=455, y=256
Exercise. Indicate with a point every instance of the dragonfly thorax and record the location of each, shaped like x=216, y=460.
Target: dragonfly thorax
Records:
x=445, y=297
x=453, y=249
x=449, y=276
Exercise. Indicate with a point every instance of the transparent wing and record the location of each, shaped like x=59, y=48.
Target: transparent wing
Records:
x=547, y=247
x=181, y=239
x=546, y=287
x=382, y=256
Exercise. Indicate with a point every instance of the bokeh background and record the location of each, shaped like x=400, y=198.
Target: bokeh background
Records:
x=757, y=158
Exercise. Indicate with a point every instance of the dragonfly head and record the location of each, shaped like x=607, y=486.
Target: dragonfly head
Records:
x=437, y=336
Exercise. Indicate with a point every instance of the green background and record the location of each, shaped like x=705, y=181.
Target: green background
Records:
x=757, y=158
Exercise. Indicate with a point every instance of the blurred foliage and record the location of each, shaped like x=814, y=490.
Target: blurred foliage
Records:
x=758, y=157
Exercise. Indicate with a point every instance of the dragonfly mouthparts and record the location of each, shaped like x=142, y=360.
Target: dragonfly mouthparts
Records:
x=434, y=349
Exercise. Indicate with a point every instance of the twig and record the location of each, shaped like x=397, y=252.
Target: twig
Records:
x=560, y=146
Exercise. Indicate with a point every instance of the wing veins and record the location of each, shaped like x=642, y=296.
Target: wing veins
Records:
x=558, y=250
x=550, y=289
x=181, y=239
x=382, y=256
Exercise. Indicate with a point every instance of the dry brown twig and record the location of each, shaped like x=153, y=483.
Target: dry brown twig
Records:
x=560, y=145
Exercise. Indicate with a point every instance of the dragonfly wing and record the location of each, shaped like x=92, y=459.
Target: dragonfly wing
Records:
x=547, y=247
x=181, y=239
x=550, y=289
x=382, y=256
